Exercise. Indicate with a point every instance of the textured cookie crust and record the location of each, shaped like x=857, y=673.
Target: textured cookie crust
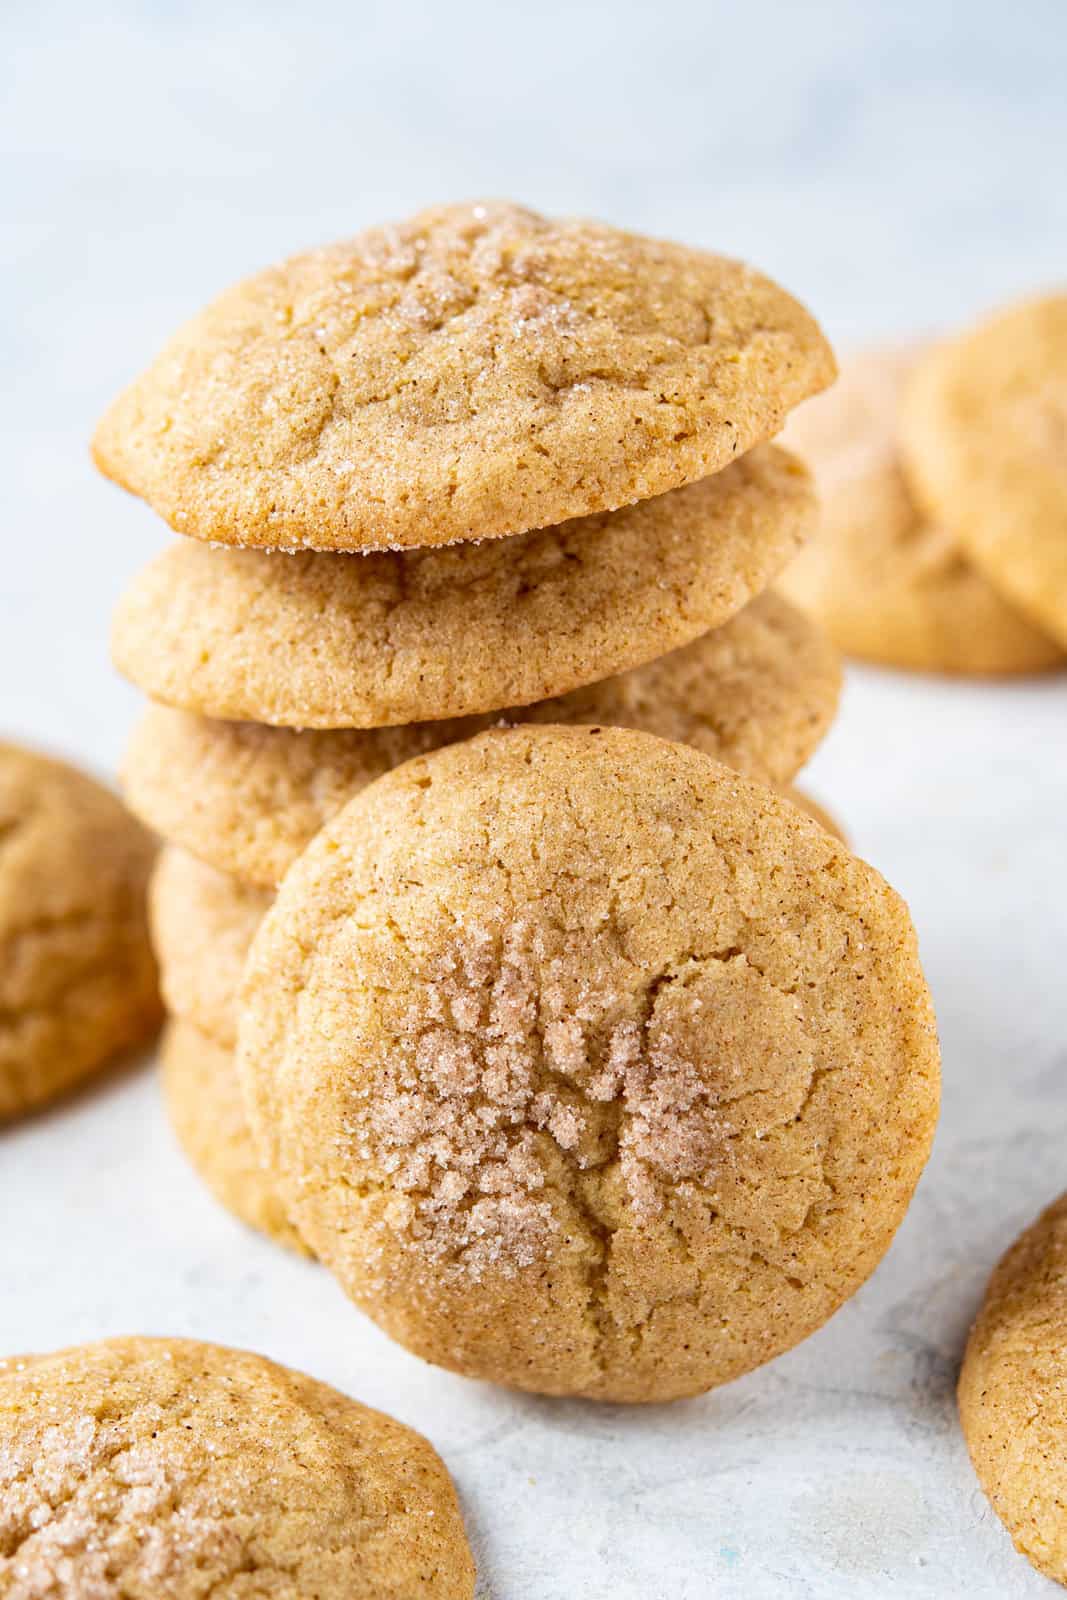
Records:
x=77, y=976
x=983, y=428
x=758, y=693
x=1013, y=1401
x=203, y=1099
x=587, y=1065
x=888, y=583
x=203, y=923
x=817, y=812
x=164, y=1469
x=479, y=370
x=334, y=641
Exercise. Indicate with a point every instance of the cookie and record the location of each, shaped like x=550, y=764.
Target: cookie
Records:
x=886, y=582
x=474, y=372
x=203, y=1099
x=817, y=813
x=982, y=428
x=77, y=976
x=1013, y=1405
x=203, y=923
x=166, y=1467
x=758, y=693
x=587, y=1065
x=329, y=641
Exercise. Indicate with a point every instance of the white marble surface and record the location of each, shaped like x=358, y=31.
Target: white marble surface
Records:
x=899, y=167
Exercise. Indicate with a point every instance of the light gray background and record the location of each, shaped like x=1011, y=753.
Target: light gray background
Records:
x=901, y=167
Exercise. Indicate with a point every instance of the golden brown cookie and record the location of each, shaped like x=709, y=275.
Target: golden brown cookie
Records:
x=330, y=641
x=888, y=583
x=203, y=923
x=77, y=977
x=1013, y=1402
x=476, y=371
x=203, y=1097
x=588, y=1066
x=758, y=693
x=983, y=427
x=166, y=1469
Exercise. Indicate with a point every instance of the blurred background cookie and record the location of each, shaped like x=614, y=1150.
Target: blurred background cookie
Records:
x=77, y=975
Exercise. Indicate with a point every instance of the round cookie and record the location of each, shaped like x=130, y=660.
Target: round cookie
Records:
x=203, y=923
x=332, y=641
x=982, y=429
x=77, y=976
x=758, y=693
x=203, y=1098
x=165, y=1467
x=476, y=371
x=887, y=583
x=588, y=1066
x=1013, y=1403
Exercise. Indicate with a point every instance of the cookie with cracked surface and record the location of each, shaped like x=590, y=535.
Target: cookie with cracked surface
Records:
x=203, y=923
x=758, y=693
x=77, y=977
x=203, y=1099
x=587, y=1065
x=888, y=583
x=339, y=641
x=1013, y=1405
x=983, y=426
x=170, y=1468
x=474, y=372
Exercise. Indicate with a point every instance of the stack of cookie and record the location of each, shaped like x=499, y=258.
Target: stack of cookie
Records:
x=477, y=468
x=942, y=507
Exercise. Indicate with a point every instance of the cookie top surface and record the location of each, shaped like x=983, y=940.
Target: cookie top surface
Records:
x=77, y=977
x=1013, y=1401
x=983, y=428
x=330, y=641
x=476, y=371
x=165, y=1469
x=203, y=1098
x=887, y=582
x=203, y=923
x=587, y=1065
x=758, y=693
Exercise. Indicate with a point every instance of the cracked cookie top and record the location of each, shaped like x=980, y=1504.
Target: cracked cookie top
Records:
x=340, y=641
x=476, y=371
x=77, y=976
x=758, y=693
x=587, y=1065
x=164, y=1469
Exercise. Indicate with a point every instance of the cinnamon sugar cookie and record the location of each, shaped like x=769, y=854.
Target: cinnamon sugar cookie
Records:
x=887, y=582
x=332, y=641
x=588, y=1066
x=77, y=977
x=206, y=1110
x=758, y=693
x=1013, y=1402
x=169, y=1468
x=984, y=425
x=476, y=371
x=203, y=923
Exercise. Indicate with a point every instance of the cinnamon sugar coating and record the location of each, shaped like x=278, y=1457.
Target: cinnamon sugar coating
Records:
x=587, y=1065
x=165, y=1469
